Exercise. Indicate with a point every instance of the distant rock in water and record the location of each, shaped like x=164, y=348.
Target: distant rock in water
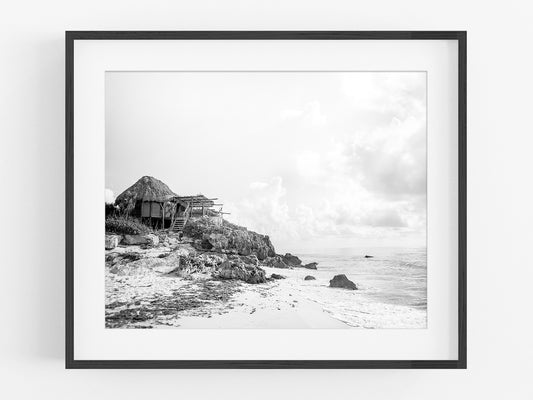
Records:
x=311, y=265
x=341, y=281
x=276, y=276
x=367, y=256
x=291, y=260
x=309, y=278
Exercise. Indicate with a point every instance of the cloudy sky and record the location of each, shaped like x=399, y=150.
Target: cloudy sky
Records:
x=317, y=160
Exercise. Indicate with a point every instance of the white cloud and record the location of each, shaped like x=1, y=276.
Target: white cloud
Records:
x=399, y=94
x=391, y=160
x=264, y=209
x=315, y=114
x=109, y=196
x=258, y=185
x=309, y=165
x=311, y=114
x=291, y=113
x=346, y=209
x=384, y=218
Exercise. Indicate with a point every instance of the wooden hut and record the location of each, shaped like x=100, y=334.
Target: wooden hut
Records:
x=154, y=203
x=150, y=200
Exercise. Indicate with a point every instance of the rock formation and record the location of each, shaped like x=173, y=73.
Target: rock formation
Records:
x=291, y=260
x=228, y=238
x=341, y=281
x=149, y=239
x=239, y=270
x=276, y=262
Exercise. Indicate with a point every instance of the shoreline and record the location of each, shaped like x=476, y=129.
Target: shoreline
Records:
x=228, y=277
x=268, y=306
x=148, y=299
x=146, y=293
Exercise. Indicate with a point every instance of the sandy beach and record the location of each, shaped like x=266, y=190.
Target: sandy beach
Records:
x=147, y=297
x=275, y=305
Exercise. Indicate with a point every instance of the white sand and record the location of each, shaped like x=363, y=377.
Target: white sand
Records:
x=273, y=305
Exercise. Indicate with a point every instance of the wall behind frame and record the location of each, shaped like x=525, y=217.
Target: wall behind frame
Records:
x=499, y=216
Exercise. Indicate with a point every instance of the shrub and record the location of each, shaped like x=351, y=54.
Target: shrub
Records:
x=125, y=226
x=196, y=227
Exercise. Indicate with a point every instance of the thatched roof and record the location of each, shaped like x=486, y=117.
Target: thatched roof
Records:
x=146, y=189
x=198, y=199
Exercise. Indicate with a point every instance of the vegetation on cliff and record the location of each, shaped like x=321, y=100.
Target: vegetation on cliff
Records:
x=125, y=226
x=228, y=238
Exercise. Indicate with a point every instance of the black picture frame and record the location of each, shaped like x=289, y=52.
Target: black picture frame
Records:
x=72, y=36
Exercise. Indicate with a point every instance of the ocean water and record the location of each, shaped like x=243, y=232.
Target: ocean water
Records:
x=392, y=286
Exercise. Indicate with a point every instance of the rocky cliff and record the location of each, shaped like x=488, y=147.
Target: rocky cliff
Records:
x=217, y=248
x=228, y=238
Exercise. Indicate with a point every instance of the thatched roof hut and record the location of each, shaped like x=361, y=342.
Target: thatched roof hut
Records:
x=147, y=188
x=151, y=199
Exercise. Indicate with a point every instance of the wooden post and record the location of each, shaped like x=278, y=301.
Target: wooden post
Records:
x=163, y=217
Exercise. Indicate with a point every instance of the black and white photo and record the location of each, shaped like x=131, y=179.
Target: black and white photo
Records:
x=256, y=199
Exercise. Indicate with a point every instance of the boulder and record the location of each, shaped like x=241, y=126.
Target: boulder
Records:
x=311, y=265
x=210, y=260
x=131, y=240
x=215, y=241
x=341, y=281
x=367, y=256
x=184, y=249
x=250, y=260
x=188, y=264
x=269, y=246
x=262, y=253
x=149, y=239
x=134, y=264
x=171, y=241
x=309, y=278
x=152, y=239
x=257, y=278
x=291, y=260
x=238, y=270
x=276, y=276
x=276, y=262
x=131, y=256
x=111, y=241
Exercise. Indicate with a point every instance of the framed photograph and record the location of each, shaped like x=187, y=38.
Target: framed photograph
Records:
x=265, y=199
